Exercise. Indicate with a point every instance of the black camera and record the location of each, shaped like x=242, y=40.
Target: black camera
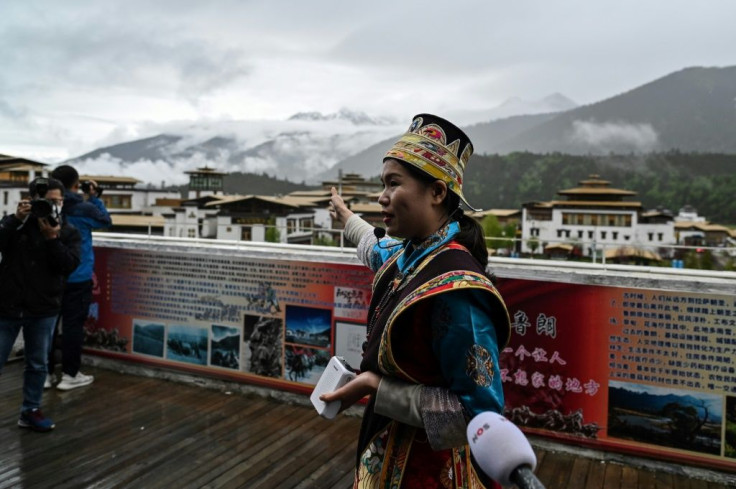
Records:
x=43, y=209
x=86, y=187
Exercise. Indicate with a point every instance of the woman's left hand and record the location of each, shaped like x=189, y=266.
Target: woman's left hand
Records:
x=365, y=384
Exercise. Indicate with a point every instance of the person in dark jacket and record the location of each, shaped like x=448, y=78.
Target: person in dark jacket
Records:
x=86, y=212
x=38, y=252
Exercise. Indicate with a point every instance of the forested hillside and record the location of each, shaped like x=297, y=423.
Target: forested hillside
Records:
x=670, y=180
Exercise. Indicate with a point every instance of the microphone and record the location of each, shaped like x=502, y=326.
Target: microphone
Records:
x=379, y=233
x=502, y=451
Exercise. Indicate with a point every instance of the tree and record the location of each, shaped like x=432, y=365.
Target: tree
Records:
x=533, y=244
x=706, y=260
x=322, y=240
x=493, y=229
x=685, y=423
x=272, y=232
x=691, y=260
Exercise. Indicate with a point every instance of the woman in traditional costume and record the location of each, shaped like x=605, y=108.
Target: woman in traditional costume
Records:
x=435, y=325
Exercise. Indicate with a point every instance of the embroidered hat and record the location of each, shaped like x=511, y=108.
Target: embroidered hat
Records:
x=437, y=147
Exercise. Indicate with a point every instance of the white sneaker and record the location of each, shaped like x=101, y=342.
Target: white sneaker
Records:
x=49, y=381
x=68, y=382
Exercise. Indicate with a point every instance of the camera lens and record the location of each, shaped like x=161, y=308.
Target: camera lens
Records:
x=41, y=208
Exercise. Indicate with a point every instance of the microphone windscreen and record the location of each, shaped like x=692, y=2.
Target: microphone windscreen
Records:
x=379, y=233
x=499, y=446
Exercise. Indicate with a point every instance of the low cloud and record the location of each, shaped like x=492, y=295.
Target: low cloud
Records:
x=613, y=136
x=296, y=149
x=147, y=171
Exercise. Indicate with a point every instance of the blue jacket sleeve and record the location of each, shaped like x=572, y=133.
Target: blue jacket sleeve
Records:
x=95, y=214
x=464, y=341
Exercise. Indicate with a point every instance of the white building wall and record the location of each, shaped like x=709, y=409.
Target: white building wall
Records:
x=653, y=236
x=222, y=227
x=209, y=226
x=258, y=232
x=685, y=216
x=202, y=222
x=142, y=200
x=281, y=226
x=9, y=198
x=603, y=236
x=322, y=218
x=586, y=236
x=227, y=230
x=192, y=194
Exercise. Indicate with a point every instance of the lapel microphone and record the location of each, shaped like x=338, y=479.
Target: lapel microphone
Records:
x=379, y=233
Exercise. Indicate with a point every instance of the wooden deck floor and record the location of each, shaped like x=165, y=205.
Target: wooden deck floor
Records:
x=126, y=431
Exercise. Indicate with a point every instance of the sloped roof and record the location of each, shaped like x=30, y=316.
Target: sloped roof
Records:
x=596, y=191
x=205, y=170
x=559, y=246
x=703, y=226
x=8, y=162
x=311, y=193
x=631, y=251
x=287, y=200
x=595, y=185
x=654, y=213
x=594, y=203
x=109, y=179
x=495, y=212
x=129, y=220
x=373, y=207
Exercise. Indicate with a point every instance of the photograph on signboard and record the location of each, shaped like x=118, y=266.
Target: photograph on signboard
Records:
x=187, y=343
x=572, y=423
x=688, y=420
x=107, y=339
x=148, y=337
x=351, y=303
x=262, y=345
x=729, y=450
x=309, y=326
x=349, y=339
x=225, y=347
x=304, y=364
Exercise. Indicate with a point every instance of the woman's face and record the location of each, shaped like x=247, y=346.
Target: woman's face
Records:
x=409, y=209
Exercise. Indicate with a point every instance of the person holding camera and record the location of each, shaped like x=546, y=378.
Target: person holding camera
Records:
x=86, y=212
x=38, y=252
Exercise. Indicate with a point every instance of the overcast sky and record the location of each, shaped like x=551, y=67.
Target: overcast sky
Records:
x=78, y=75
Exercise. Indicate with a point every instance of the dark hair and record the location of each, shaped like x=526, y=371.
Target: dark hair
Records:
x=66, y=174
x=471, y=233
x=50, y=183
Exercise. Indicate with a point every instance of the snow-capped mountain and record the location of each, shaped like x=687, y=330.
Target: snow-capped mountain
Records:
x=357, y=118
x=298, y=148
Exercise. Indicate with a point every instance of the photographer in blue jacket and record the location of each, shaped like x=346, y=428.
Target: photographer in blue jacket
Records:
x=86, y=212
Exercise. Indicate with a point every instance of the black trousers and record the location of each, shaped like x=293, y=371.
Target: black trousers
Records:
x=74, y=312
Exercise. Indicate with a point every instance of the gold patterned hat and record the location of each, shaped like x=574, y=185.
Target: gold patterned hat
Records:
x=436, y=147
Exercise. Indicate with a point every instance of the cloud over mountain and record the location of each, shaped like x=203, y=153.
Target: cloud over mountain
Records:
x=298, y=148
x=612, y=136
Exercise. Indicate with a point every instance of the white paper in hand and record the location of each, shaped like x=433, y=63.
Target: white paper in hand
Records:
x=336, y=374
